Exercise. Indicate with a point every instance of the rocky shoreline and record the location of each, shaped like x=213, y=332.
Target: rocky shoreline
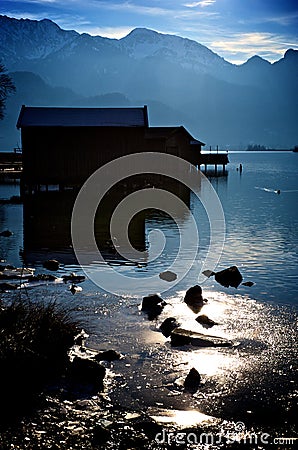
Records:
x=78, y=407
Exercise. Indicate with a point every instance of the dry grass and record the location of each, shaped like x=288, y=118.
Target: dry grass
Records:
x=34, y=341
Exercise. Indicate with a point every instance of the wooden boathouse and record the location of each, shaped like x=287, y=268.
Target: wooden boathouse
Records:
x=62, y=147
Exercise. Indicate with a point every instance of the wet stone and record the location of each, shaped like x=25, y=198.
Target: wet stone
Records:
x=168, y=276
x=6, y=233
x=51, y=264
x=151, y=301
x=86, y=372
x=205, y=321
x=168, y=326
x=180, y=337
x=194, y=299
x=153, y=306
x=229, y=277
x=107, y=355
x=248, y=283
x=192, y=381
x=100, y=434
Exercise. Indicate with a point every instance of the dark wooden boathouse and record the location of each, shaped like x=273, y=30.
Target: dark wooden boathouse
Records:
x=64, y=146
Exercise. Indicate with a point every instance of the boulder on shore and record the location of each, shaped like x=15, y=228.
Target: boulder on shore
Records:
x=194, y=299
x=151, y=301
x=153, y=306
x=168, y=326
x=107, y=355
x=180, y=337
x=83, y=371
x=192, y=381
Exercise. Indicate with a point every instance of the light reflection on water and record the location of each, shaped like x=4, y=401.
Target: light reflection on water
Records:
x=152, y=373
x=262, y=320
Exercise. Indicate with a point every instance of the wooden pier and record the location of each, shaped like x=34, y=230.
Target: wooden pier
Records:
x=10, y=165
x=214, y=160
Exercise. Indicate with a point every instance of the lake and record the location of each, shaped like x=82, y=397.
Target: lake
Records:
x=255, y=381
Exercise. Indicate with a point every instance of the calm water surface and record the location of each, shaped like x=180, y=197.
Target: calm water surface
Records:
x=255, y=381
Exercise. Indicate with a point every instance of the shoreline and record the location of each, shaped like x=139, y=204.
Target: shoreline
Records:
x=140, y=390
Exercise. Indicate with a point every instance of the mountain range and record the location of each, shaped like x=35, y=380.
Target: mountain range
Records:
x=181, y=81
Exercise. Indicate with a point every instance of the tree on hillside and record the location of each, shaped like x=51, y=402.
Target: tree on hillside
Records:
x=6, y=87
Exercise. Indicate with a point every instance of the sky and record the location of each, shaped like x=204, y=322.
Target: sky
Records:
x=234, y=29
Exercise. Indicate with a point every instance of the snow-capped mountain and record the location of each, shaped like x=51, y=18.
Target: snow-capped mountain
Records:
x=142, y=43
x=183, y=81
x=41, y=46
x=31, y=39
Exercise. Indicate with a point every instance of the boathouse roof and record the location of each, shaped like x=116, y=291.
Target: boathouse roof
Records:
x=82, y=117
x=167, y=132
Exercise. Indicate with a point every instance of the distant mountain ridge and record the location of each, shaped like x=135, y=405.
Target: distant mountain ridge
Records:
x=219, y=102
x=44, y=37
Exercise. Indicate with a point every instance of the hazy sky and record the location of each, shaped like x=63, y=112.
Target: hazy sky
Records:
x=235, y=29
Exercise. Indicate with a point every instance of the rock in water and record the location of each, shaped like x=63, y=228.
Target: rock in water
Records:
x=107, y=355
x=87, y=372
x=193, y=298
x=192, y=381
x=153, y=306
x=205, y=321
x=168, y=276
x=180, y=337
x=208, y=273
x=51, y=264
x=151, y=301
x=168, y=326
x=6, y=233
x=248, y=283
x=229, y=277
